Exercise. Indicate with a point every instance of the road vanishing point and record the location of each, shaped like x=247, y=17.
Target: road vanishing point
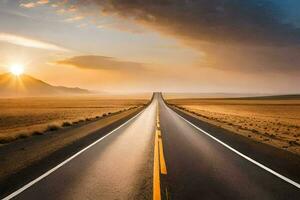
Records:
x=162, y=153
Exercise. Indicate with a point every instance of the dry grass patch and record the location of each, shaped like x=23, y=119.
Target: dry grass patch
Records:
x=275, y=122
x=23, y=117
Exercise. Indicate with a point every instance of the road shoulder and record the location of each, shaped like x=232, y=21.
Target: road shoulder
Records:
x=25, y=159
x=282, y=161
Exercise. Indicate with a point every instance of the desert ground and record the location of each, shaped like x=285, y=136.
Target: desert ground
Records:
x=22, y=117
x=272, y=121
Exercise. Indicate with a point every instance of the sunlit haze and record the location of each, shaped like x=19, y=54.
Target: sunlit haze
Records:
x=176, y=46
x=17, y=69
x=149, y=99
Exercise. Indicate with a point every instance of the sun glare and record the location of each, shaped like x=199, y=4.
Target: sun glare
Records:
x=17, y=69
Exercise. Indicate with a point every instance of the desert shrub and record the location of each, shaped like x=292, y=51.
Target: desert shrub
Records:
x=292, y=143
x=66, y=124
x=254, y=131
x=37, y=133
x=22, y=136
x=52, y=127
x=4, y=140
x=104, y=115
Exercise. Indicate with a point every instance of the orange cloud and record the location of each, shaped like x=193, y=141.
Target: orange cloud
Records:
x=102, y=63
x=41, y=2
x=34, y=4
x=73, y=19
x=28, y=5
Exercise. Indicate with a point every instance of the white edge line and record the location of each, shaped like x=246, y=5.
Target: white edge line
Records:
x=17, y=192
x=243, y=155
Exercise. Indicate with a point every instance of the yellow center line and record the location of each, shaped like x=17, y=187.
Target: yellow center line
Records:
x=163, y=168
x=156, y=175
x=158, y=133
x=159, y=161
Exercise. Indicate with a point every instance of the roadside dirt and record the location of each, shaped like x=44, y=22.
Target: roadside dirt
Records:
x=254, y=129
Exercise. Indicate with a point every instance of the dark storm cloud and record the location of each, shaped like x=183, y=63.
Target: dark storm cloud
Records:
x=243, y=35
x=258, y=22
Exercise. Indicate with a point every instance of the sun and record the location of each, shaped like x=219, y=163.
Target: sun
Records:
x=17, y=69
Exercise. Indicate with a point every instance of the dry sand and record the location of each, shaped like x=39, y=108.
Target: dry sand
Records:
x=22, y=117
x=274, y=122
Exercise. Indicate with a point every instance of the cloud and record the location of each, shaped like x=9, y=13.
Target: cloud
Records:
x=42, y=2
x=34, y=4
x=28, y=5
x=122, y=26
x=27, y=42
x=82, y=25
x=224, y=21
x=72, y=8
x=54, y=5
x=96, y=62
x=233, y=34
x=73, y=19
x=261, y=60
x=248, y=36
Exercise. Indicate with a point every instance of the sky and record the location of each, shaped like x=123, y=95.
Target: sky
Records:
x=198, y=46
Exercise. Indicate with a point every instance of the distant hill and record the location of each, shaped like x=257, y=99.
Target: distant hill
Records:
x=25, y=85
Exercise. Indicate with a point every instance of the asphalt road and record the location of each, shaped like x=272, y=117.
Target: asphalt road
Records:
x=201, y=168
x=120, y=165
x=117, y=167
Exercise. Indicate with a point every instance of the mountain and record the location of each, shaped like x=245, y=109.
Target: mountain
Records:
x=25, y=85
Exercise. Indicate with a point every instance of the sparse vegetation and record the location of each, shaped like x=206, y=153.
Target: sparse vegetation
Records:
x=22, y=136
x=52, y=127
x=66, y=124
x=37, y=133
x=23, y=117
x=275, y=122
